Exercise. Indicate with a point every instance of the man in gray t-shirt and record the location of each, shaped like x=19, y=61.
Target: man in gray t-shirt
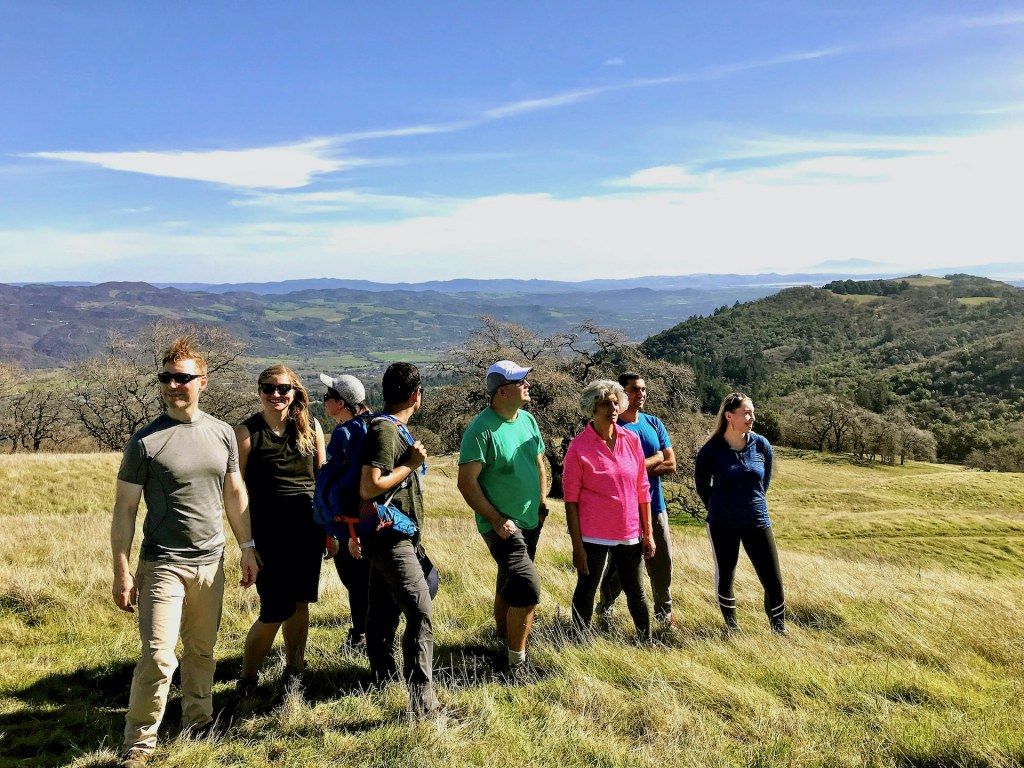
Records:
x=185, y=464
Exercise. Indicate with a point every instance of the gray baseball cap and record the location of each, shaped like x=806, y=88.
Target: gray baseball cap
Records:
x=349, y=387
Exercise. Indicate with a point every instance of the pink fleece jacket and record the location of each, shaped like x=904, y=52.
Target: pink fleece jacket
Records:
x=608, y=486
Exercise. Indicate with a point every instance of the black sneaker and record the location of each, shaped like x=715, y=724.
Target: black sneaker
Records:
x=779, y=627
x=355, y=640
x=732, y=626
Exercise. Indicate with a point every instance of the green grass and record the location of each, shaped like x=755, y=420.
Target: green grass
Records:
x=973, y=301
x=904, y=651
x=408, y=355
x=857, y=298
x=924, y=281
x=919, y=515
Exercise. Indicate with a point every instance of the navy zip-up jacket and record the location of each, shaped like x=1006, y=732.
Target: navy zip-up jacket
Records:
x=732, y=484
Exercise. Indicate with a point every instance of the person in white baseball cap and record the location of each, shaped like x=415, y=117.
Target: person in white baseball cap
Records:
x=345, y=402
x=503, y=479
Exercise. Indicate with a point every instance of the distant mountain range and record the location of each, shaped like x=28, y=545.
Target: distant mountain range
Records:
x=348, y=327
x=820, y=274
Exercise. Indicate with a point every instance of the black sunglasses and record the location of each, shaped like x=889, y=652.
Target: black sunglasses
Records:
x=165, y=377
x=281, y=389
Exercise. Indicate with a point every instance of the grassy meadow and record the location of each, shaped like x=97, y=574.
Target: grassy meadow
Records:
x=906, y=644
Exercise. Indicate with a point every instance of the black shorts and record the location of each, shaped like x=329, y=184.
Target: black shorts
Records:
x=518, y=583
x=290, y=569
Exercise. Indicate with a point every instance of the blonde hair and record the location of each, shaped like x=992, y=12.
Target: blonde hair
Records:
x=183, y=348
x=596, y=391
x=299, y=424
x=731, y=402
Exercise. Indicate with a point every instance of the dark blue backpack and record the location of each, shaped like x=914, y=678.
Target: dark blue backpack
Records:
x=337, y=483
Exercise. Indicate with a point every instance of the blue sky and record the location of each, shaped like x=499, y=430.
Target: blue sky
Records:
x=414, y=141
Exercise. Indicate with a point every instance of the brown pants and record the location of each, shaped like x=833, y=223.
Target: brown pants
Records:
x=174, y=599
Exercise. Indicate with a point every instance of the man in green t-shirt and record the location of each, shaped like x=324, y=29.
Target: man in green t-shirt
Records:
x=502, y=478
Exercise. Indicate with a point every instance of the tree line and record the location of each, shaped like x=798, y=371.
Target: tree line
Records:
x=99, y=402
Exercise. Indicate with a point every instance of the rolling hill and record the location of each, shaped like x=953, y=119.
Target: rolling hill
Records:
x=947, y=350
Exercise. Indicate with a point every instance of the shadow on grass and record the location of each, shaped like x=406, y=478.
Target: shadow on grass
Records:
x=65, y=715
x=815, y=618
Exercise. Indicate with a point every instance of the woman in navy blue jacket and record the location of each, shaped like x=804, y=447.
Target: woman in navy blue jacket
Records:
x=732, y=472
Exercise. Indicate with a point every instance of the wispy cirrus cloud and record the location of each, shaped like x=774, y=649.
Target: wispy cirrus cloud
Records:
x=981, y=21
x=279, y=167
x=343, y=200
x=577, y=95
x=296, y=165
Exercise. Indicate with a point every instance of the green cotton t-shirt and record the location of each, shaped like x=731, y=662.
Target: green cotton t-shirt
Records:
x=508, y=451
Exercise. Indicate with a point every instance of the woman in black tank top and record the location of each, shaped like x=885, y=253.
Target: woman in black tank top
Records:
x=279, y=449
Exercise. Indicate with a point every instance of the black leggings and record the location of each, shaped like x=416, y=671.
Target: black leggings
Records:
x=355, y=575
x=627, y=559
x=760, y=546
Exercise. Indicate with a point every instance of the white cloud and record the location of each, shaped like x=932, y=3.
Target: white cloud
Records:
x=662, y=177
x=340, y=200
x=954, y=204
x=616, y=62
x=284, y=167
x=1002, y=109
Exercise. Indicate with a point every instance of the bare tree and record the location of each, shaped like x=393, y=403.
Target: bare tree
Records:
x=39, y=419
x=562, y=364
x=115, y=393
x=10, y=374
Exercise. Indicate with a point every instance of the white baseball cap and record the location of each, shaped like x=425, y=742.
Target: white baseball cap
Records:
x=504, y=372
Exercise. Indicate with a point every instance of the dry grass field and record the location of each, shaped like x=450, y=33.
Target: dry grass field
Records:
x=906, y=645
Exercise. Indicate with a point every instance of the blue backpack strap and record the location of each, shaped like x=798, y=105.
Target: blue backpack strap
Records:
x=403, y=431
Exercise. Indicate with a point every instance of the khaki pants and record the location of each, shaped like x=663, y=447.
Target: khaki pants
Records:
x=174, y=598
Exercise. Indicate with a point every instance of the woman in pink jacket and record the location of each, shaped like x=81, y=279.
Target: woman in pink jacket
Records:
x=607, y=504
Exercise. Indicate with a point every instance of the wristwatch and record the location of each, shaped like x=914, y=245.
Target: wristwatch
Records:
x=247, y=544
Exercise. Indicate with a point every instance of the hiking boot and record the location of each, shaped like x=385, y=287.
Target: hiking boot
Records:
x=246, y=687
x=522, y=674
x=135, y=758
x=291, y=678
x=199, y=731
x=355, y=640
x=779, y=627
x=667, y=620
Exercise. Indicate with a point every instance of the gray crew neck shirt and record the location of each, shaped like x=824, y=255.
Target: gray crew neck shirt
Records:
x=182, y=466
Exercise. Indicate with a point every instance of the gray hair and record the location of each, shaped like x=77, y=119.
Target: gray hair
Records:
x=596, y=391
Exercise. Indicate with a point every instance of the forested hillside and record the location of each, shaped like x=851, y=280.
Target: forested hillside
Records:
x=946, y=351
